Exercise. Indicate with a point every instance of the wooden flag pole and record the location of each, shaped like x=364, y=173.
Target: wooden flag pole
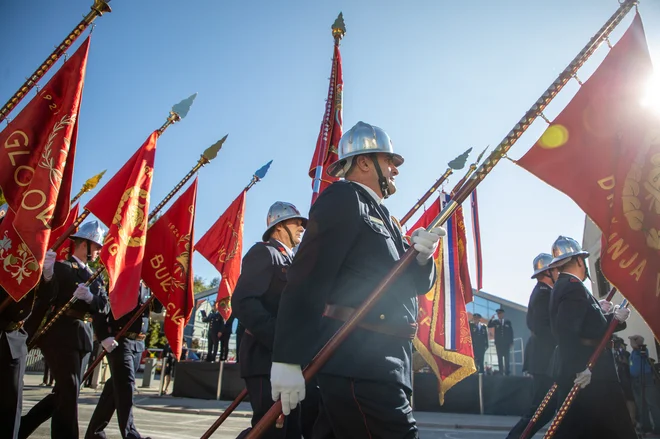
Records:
x=99, y=8
x=462, y=194
x=208, y=155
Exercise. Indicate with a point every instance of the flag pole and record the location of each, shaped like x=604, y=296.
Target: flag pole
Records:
x=99, y=8
x=209, y=154
x=505, y=145
x=88, y=186
x=455, y=165
x=177, y=113
x=338, y=32
x=546, y=399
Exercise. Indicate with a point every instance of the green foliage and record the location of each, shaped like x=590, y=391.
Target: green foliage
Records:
x=215, y=282
x=199, y=284
x=155, y=338
x=2, y=198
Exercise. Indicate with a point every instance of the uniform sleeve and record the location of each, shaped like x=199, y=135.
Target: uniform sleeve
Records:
x=492, y=323
x=540, y=324
x=332, y=229
x=256, y=275
x=100, y=310
x=423, y=276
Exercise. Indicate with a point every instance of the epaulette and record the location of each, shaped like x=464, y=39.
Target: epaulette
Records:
x=574, y=279
x=75, y=265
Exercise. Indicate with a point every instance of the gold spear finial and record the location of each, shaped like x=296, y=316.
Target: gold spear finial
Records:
x=338, y=27
x=88, y=185
x=212, y=151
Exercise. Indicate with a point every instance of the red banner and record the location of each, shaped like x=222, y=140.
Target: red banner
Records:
x=325, y=152
x=66, y=248
x=443, y=338
x=603, y=151
x=37, y=151
x=123, y=205
x=222, y=246
x=168, y=268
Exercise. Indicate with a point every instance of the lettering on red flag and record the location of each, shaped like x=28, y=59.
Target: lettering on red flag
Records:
x=222, y=246
x=123, y=205
x=167, y=270
x=603, y=151
x=330, y=133
x=443, y=338
x=37, y=151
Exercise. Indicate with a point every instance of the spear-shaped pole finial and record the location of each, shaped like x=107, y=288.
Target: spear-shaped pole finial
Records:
x=258, y=175
x=339, y=28
x=178, y=112
x=88, y=185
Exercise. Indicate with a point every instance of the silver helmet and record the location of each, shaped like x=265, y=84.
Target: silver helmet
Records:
x=541, y=263
x=91, y=231
x=362, y=139
x=563, y=249
x=278, y=212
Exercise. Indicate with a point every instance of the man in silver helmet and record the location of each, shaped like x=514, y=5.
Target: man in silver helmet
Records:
x=68, y=343
x=350, y=245
x=255, y=303
x=578, y=324
x=540, y=346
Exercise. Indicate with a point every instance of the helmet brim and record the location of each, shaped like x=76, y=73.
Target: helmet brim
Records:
x=336, y=169
x=563, y=260
x=266, y=236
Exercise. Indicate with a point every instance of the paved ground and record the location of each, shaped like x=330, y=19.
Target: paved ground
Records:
x=170, y=418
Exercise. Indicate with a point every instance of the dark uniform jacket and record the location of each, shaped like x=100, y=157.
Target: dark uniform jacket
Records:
x=255, y=303
x=12, y=320
x=578, y=325
x=479, y=334
x=216, y=324
x=541, y=344
x=70, y=329
x=109, y=327
x=503, y=332
x=349, y=246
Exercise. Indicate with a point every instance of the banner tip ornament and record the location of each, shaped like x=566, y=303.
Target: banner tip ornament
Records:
x=261, y=172
x=339, y=27
x=460, y=161
x=482, y=154
x=212, y=151
x=183, y=107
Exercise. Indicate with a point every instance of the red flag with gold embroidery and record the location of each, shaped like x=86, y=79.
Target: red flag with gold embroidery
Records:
x=167, y=269
x=443, y=338
x=65, y=249
x=603, y=151
x=37, y=167
x=222, y=246
x=123, y=206
x=330, y=133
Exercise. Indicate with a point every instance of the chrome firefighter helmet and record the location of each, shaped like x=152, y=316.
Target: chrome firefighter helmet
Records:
x=541, y=263
x=279, y=212
x=91, y=231
x=563, y=249
x=362, y=139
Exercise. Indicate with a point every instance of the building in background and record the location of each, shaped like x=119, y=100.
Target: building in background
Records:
x=600, y=287
x=486, y=304
x=196, y=331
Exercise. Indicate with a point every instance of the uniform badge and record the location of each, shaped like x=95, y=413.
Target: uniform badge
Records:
x=376, y=220
x=75, y=265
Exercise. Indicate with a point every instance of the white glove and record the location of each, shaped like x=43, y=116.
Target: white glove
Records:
x=109, y=344
x=583, y=378
x=49, y=265
x=287, y=383
x=426, y=243
x=83, y=293
x=621, y=314
x=606, y=306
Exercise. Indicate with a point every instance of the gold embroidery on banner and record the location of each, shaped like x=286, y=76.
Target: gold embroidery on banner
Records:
x=223, y=255
x=135, y=216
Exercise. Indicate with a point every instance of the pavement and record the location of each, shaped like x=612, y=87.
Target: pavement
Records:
x=148, y=399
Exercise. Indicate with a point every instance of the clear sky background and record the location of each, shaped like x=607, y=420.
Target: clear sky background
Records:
x=438, y=76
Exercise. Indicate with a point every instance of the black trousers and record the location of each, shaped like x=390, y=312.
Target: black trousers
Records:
x=12, y=370
x=503, y=354
x=540, y=386
x=61, y=406
x=479, y=360
x=358, y=409
x=224, y=347
x=117, y=392
x=598, y=411
x=261, y=400
x=212, y=348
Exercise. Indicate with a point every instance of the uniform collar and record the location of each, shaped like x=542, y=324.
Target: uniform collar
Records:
x=572, y=275
x=82, y=264
x=288, y=250
x=374, y=195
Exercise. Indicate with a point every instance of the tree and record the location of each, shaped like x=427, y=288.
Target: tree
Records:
x=199, y=284
x=155, y=339
x=215, y=282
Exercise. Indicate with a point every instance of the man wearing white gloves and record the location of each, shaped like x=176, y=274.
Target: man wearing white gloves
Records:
x=578, y=323
x=350, y=245
x=69, y=341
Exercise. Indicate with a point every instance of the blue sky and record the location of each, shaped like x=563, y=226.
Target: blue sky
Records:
x=439, y=77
